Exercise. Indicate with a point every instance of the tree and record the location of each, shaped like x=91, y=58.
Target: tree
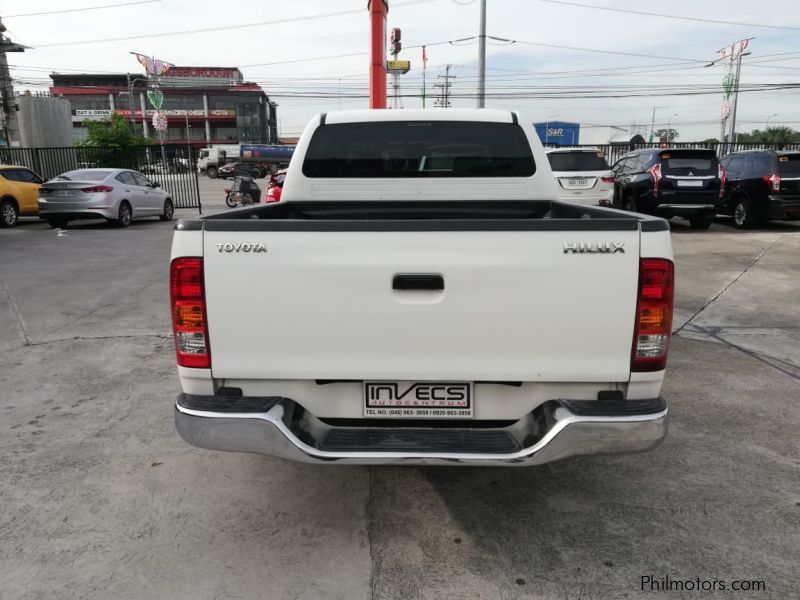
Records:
x=770, y=135
x=114, y=132
x=777, y=135
x=667, y=135
x=710, y=141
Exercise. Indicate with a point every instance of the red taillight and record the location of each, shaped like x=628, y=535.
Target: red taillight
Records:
x=189, y=320
x=97, y=188
x=655, y=173
x=609, y=179
x=271, y=195
x=773, y=181
x=723, y=177
x=653, y=326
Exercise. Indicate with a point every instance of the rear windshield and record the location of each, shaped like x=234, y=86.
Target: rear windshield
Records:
x=789, y=165
x=85, y=175
x=577, y=161
x=419, y=149
x=689, y=163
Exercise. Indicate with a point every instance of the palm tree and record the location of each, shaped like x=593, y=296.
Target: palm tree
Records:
x=777, y=135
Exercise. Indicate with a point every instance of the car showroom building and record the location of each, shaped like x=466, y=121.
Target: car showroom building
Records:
x=204, y=105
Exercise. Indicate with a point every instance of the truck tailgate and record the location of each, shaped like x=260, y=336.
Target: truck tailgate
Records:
x=515, y=306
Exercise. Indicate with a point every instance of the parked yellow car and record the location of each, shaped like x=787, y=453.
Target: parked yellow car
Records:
x=19, y=194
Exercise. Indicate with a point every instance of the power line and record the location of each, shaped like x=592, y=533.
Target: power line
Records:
x=666, y=16
x=69, y=10
x=594, y=50
x=225, y=27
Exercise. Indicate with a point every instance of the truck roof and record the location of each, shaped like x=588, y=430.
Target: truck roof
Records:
x=420, y=114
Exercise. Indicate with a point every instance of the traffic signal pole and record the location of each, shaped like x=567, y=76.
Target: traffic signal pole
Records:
x=378, y=11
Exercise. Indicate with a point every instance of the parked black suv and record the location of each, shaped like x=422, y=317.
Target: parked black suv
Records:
x=762, y=185
x=670, y=182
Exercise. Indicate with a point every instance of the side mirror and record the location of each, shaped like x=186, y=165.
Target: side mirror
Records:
x=156, y=184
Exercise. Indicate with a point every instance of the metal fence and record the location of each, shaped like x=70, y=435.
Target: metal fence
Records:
x=616, y=151
x=173, y=167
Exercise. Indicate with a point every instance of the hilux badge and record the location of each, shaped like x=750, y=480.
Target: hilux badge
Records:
x=594, y=247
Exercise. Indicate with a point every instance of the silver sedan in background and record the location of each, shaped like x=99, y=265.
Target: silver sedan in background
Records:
x=117, y=195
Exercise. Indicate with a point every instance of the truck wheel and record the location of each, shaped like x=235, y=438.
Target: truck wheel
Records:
x=9, y=214
x=630, y=204
x=701, y=221
x=211, y=172
x=744, y=216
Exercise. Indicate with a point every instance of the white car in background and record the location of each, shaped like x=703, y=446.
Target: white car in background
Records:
x=583, y=175
x=117, y=195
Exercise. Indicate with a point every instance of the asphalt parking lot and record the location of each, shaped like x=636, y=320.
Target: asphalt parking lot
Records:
x=102, y=499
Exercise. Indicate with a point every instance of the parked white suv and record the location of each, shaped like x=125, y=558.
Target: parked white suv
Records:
x=429, y=303
x=583, y=175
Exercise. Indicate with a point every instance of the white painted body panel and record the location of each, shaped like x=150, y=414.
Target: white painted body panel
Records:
x=514, y=308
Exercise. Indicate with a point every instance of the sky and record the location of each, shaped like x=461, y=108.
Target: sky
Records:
x=320, y=48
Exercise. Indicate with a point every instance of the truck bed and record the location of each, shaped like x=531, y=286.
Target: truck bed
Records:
x=425, y=215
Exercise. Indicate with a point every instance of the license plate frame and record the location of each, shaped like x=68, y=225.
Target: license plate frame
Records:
x=690, y=183
x=65, y=193
x=418, y=400
x=577, y=182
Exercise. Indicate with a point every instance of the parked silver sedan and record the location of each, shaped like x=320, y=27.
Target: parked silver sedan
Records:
x=117, y=195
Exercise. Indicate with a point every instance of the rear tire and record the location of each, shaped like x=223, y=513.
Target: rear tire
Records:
x=701, y=222
x=630, y=204
x=9, y=213
x=211, y=172
x=744, y=216
x=169, y=211
x=125, y=214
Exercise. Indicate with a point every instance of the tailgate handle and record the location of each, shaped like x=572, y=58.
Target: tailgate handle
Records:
x=424, y=282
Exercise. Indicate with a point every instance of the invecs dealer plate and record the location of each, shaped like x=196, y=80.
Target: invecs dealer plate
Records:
x=418, y=400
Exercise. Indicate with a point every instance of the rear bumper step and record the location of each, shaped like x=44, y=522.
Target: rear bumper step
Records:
x=556, y=430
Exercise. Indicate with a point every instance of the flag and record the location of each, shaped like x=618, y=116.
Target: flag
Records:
x=424, y=58
x=153, y=66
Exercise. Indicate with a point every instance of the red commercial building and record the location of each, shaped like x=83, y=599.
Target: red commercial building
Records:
x=204, y=105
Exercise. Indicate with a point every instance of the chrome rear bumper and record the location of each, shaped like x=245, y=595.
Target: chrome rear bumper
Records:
x=558, y=429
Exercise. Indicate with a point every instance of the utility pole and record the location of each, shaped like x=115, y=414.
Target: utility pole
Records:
x=8, y=108
x=424, y=69
x=443, y=101
x=482, y=58
x=736, y=95
x=653, y=122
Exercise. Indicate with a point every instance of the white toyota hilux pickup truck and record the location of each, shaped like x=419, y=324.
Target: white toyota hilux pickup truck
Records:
x=422, y=299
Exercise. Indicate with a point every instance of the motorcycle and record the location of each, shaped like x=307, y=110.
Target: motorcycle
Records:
x=243, y=192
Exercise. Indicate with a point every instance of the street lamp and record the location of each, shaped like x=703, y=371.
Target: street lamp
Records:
x=669, y=127
x=131, y=83
x=769, y=117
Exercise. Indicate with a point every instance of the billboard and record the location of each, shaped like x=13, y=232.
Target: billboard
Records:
x=559, y=133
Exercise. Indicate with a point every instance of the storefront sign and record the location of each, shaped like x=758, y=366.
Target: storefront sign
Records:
x=203, y=72
x=103, y=112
